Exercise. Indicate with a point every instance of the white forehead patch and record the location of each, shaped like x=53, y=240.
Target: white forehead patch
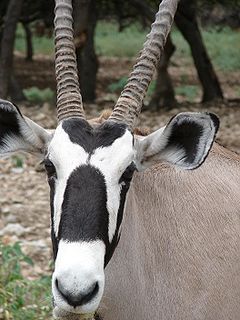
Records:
x=111, y=161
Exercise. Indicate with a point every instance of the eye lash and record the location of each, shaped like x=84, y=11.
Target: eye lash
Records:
x=47, y=161
x=50, y=168
x=128, y=173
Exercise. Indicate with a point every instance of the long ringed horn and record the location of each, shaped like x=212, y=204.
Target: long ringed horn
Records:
x=130, y=101
x=69, y=100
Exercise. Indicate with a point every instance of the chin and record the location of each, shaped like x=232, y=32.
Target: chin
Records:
x=59, y=313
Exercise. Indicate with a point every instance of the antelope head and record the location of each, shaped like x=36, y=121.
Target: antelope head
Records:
x=90, y=169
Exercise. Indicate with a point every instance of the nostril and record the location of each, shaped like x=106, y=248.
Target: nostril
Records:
x=92, y=292
x=60, y=287
x=77, y=299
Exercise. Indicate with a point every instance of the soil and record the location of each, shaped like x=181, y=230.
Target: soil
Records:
x=24, y=194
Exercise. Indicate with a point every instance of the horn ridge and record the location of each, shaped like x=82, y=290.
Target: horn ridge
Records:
x=69, y=99
x=130, y=101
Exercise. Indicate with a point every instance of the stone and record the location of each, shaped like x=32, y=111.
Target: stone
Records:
x=14, y=229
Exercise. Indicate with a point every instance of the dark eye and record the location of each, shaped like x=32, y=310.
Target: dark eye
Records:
x=50, y=168
x=128, y=173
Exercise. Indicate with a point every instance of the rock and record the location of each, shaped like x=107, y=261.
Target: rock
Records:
x=40, y=244
x=40, y=116
x=40, y=167
x=11, y=218
x=14, y=229
x=5, y=210
x=17, y=170
x=46, y=107
x=9, y=240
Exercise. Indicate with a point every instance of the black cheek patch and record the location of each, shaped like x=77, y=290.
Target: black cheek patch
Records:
x=84, y=214
x=186, y=136
x=116, y=237
x=53, y=236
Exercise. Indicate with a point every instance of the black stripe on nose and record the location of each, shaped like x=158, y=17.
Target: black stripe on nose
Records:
x=84, y=213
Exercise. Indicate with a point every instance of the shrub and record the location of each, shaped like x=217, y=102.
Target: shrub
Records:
x=36, y=95
x=21, y=299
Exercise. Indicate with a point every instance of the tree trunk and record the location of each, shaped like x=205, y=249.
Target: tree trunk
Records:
x=7, y=45
x=15, y=91
x=29, y=46
x=186, y=22
x=85, y=19
x=163, y=95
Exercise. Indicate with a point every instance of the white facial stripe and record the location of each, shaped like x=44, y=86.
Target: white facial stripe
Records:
x=66, y=156
x=78, y=266
x=111, y=161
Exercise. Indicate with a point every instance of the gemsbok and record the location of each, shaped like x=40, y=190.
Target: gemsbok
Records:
x=177, y=230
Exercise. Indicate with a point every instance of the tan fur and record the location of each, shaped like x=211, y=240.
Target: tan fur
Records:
x=179, y=253
x=103, y=117
x=106, y=114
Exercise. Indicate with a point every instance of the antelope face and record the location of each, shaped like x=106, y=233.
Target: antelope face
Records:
x=89, y=172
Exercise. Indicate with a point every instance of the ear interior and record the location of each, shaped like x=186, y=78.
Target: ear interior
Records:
x=18, y=133
x=184, y=142
x=193, y=134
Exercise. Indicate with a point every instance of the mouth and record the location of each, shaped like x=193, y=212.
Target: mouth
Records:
x=63, y=310
x=60, y=314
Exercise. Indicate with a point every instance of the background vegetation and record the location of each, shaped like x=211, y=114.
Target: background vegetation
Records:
x=223, y=47
x=21, y=299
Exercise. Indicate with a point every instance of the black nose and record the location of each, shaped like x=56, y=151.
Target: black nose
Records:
x=80, y=298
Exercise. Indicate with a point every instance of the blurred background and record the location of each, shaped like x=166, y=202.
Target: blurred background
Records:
x=199, y=71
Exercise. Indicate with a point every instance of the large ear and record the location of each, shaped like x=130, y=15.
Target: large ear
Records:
x=184, y=142
x=20, y=134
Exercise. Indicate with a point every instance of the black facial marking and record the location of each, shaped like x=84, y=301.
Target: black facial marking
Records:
x=53, y=236
x=50, y=169
x=51, y=173
x=84, y=213
x=127, y=175
x=9, y=123
x=80, y=132
x=186, y=135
